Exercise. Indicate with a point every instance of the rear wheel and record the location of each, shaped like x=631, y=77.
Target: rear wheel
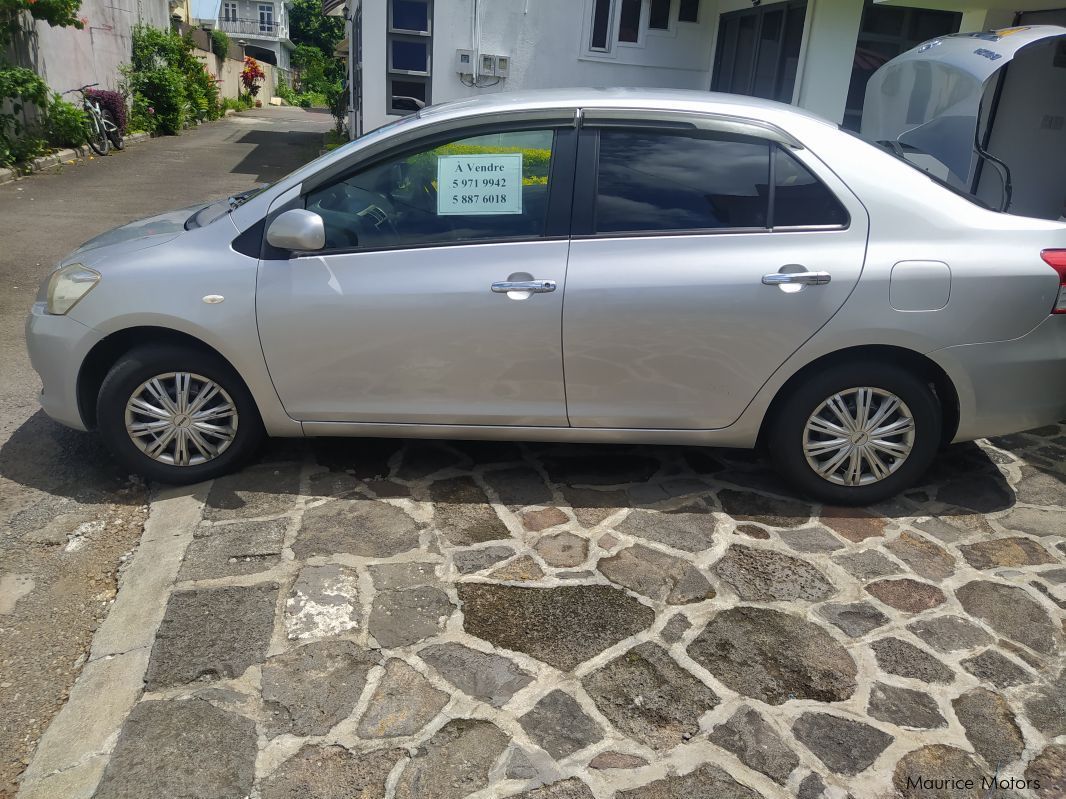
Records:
x=98, y=140
x=856, y=434
x=177, y=415
x=114, y=135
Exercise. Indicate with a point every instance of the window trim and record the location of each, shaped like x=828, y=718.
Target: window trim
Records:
x=557, y=216
x=408, y=31
x=586, y=189
x=424, y=78
x=406, y=37
x=413, y=78
x=271, y=24
x=700, y=6
x=591, y=17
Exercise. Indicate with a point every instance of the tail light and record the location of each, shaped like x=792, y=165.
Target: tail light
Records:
x=1056, y=259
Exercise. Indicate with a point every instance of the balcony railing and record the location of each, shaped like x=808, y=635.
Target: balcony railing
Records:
x=250, y=27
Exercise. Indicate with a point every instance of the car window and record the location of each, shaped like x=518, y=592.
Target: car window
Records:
x=493, y=186
x=800, y=199
x=650, y=180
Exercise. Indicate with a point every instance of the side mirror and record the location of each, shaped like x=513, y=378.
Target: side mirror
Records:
x=297, y=229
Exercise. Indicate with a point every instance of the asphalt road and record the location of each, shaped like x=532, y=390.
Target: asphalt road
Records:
x=68, y=515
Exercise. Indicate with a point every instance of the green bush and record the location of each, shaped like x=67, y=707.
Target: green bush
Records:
x=219, y=43
x=165, y=80
x=23, y=100
x=286, y=93
x=67, y=125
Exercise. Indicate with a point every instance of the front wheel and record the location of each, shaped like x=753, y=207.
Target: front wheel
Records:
x=856, y=434
x=177, y=415
x=98, y=140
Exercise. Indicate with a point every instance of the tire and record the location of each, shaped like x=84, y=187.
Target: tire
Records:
x=796, y=452
x=115, y=136
x=234, y=437
x=98, y=140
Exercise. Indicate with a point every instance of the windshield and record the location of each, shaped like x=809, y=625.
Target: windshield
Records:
x=209, y=213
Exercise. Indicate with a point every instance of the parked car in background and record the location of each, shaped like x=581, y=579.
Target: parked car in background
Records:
x=573, y=265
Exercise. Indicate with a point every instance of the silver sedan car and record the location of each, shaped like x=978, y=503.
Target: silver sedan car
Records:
x=580, y=265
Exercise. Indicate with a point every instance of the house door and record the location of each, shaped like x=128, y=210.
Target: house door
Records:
x=758, y=51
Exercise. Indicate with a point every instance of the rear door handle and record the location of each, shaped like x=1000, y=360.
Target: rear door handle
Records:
x=533, y=286
x=803, y=278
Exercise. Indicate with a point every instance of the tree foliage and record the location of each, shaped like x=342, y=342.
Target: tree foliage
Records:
x=57, y=13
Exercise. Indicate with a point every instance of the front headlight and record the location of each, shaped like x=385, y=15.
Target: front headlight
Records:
x=68, y=285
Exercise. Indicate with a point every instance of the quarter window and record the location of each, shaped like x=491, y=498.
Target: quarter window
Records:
x=658, y=181
x=487, y=187
x=800, y=199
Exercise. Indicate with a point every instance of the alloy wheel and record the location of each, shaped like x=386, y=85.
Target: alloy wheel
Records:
x=181, y=419
x=858, y=436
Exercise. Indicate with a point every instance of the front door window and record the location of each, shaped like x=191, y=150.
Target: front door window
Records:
x=492, y=186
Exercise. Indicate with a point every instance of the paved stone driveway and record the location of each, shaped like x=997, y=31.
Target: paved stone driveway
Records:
x=461, y=619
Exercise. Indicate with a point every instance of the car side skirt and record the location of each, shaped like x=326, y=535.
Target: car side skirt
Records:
x=721, y=437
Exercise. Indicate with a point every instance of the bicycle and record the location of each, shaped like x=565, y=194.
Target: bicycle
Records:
x=103, y=132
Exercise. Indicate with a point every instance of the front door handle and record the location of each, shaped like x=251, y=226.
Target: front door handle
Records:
x=802, y=278
x=532, y=286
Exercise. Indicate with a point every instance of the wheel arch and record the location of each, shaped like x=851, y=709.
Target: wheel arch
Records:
x=920, y=364
x=106, y=352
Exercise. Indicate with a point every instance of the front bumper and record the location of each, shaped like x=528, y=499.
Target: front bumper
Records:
x=1008, y=386
x=57, y=346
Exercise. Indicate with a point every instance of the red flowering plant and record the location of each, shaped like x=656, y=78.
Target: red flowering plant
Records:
x=252, y=75
x=114, y=102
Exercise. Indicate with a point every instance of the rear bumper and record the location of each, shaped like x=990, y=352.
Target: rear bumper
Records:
x=1007, y=386
x=57, y=346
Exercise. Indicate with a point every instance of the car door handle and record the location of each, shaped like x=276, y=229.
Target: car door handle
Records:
x=803, y=278
x=534, y=286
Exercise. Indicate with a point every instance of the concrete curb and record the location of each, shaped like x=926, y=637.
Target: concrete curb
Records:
x=74, y=750
x=61, y=157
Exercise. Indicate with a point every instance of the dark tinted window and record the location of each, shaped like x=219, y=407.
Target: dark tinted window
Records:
x=410, y=15
x=800, y=198
x=601, y=18
x=652, y=180
x=629, y=21
x=659, y=15
x=689, y=11
x=410, y=55
x=493, y=186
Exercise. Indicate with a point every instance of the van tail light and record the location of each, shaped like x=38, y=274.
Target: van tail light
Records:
x=1056, y=259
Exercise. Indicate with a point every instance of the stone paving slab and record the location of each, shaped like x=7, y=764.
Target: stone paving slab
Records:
x=449, y=619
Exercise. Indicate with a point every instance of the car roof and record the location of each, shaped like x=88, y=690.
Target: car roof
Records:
x=619, y=98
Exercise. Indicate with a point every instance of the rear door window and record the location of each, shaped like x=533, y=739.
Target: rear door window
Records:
x=652, y=180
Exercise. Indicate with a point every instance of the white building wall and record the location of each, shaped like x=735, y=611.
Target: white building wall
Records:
x=546, y=42
x=68, y=58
